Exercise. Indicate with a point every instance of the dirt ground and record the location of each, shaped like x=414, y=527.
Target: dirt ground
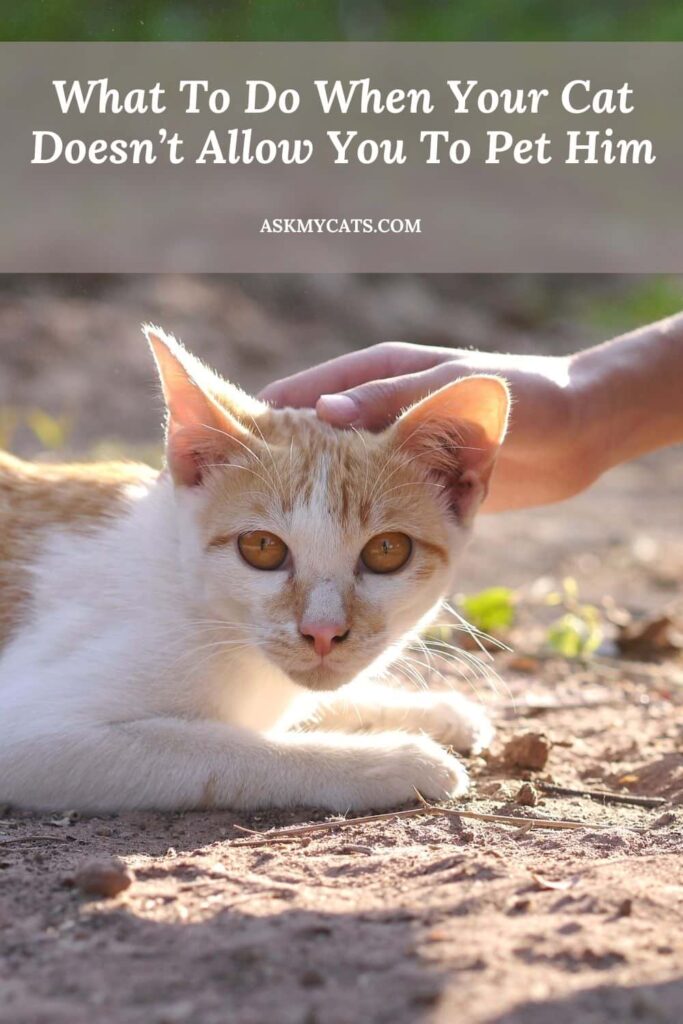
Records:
x=424, y=919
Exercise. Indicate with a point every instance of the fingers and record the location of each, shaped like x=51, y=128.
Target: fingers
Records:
x=377, y=404
x=302, y=390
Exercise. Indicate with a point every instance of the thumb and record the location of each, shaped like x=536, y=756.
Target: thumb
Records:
x=374, y=405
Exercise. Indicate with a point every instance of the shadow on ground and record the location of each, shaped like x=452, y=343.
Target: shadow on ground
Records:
x=626, y=1004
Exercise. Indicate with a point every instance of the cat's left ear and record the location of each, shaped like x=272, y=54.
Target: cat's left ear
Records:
x=456, y=432
x=200, y=432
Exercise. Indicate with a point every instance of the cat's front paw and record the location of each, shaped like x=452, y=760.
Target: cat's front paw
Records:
x=458, y=722
x=402, y=765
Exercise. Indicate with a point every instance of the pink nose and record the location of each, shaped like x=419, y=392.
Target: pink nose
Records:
x=324, y=635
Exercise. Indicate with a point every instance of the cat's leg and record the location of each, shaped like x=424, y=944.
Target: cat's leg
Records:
x=445, y=715
x=173, y=764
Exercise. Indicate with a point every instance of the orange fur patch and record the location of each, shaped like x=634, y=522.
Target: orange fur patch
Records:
x=35, y=498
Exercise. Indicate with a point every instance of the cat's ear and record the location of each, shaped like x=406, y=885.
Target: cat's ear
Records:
x=456, y=433
x=199, y=431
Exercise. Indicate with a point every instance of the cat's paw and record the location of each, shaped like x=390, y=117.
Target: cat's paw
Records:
x=390, y=774
x=458, y=722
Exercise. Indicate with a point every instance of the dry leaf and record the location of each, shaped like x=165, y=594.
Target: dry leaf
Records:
x=524, y=663
x=650, y=638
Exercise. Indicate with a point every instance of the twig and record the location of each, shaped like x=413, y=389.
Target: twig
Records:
x=287, y=834
x=270, y=890
x=6, y=840
x=543, y=707
x=603, y=795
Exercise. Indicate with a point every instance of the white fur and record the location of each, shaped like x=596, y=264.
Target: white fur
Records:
x=108, y=701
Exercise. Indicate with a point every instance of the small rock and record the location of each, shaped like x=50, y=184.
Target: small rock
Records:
x=312, y=979
x=527, y=795
x=668, y=818
x=625, y=908
x=425, y=996
x=105, y=878
x=528, y=750
x=518, y=905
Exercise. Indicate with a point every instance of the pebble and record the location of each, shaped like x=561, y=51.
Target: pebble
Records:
x=528, y=750
x=527, y=795
x=105, y=878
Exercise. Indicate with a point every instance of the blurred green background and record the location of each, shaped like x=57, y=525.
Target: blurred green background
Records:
x=466, y=20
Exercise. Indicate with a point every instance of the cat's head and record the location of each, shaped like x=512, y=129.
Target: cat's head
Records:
x=320, y=547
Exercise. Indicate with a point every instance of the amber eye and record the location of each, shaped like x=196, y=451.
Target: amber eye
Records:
x=261, y=549
x=386, y=552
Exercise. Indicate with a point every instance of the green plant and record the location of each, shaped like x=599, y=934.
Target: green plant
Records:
x=578, y=632
x=490, y=610
x=51, y=431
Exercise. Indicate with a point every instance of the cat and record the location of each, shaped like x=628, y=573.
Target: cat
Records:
x=184, y=639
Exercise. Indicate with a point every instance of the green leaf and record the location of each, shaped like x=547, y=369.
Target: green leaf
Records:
x=574, y=636
x=51, y=431
x=490, y=610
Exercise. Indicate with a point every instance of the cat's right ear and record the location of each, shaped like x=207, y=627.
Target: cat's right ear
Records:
x=199, y=432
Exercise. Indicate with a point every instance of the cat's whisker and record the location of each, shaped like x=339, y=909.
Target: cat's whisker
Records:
x=388, y=461
x=420, y=455
x=359, y=434
x=414, y=483
x=406, y=462
x=485, y=671
x=250, y=451
x=291, y=472
x=213, y=622
x=214, y=649
x=214, y=644
x=428, y=655
x=474, y=632
x=244, y=469
x=404, y=664
x=430, y=670
x=469, y=667
x=270, y=453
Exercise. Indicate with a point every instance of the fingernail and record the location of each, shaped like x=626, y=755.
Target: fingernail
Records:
x=337, y=409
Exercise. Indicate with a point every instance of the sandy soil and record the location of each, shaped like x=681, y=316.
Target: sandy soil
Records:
x=409, y=920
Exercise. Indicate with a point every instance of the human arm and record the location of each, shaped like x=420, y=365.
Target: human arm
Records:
x=573, y=418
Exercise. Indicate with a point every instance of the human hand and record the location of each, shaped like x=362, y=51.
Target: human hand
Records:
x=546, y=456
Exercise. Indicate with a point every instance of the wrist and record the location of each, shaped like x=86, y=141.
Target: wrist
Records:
x=593, y=415
x=627, y=394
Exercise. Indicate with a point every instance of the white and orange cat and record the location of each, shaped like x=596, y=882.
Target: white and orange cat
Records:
x=184, y=639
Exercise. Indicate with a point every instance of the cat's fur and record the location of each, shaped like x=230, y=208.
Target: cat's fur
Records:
x=145, y=664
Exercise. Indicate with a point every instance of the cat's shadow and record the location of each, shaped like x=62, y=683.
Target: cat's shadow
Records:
x=192, y=945
x=243, y=952
x=308, y=966
x=658, y=1003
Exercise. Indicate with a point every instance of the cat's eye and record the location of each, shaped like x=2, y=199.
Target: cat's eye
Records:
x=386, y=552
x=262, y=549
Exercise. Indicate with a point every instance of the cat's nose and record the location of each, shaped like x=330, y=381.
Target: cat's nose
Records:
x=323, y=635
